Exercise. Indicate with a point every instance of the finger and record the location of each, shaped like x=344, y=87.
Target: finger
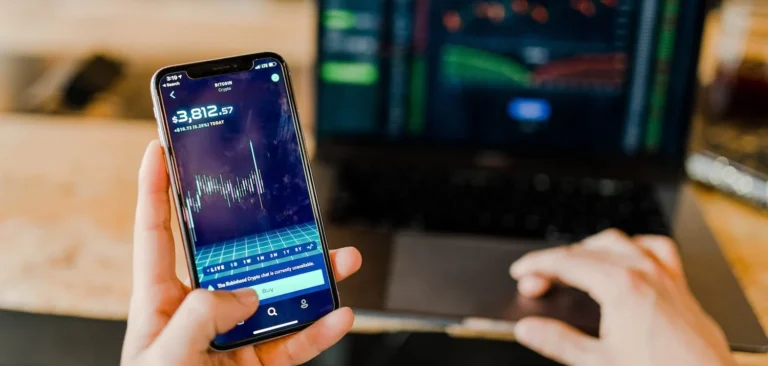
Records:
x=202, y=316
x=576, y=266
x=611, y=240
x=307, y=344
x=245, y=356
x=533, y=286
x=557, y=341
x=153, y=253
x=631, y=255
x=187, y=281
x=346, y=261
x=664, y=250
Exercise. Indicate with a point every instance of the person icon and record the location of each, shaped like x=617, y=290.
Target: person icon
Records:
x=304, y=304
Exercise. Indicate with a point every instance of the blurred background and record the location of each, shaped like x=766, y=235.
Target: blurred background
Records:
x=76, y=113
x=731, y=134
x=93, y=58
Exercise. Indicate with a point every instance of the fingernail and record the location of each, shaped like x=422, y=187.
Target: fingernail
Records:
x=524, y=332
x=247, y=296
x=515, y=270
x=591, y=238
x=605, y=234
x=528, y=285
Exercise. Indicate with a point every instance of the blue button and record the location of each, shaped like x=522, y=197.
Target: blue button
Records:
x=529, y=110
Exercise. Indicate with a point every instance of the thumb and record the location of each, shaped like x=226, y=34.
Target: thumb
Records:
x=557, y=341
x=202, y=316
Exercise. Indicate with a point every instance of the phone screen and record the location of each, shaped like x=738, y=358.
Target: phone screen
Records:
x=245, y=195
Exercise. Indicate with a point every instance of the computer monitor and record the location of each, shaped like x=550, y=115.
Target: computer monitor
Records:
x=573, y=78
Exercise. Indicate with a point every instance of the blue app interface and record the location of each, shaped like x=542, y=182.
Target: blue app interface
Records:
x=246, y=199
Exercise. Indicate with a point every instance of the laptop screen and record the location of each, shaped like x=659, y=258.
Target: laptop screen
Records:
x=539, y=77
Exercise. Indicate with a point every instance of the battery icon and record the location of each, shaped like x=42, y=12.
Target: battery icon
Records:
x=272, y=64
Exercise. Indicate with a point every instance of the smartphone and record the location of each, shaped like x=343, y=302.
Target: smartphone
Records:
x=243, y=189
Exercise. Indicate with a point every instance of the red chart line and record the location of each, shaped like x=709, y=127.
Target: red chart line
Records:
x=603, y=66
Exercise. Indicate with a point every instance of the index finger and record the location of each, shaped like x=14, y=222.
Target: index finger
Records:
x=153, y=250
x=575, y=266
x=664, y=250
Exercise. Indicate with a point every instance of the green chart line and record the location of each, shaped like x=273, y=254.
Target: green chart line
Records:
x=468, y=64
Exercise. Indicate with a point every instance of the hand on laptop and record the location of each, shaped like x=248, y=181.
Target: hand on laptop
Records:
x=648, y=314
x=169, y=324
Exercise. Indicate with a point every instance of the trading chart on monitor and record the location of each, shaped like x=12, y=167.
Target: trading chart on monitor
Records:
x=579, y=45
x=549, y=76
x=518, y=71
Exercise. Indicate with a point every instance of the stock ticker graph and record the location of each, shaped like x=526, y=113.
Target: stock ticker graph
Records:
x=537, y=70
x=576, y=45
x=519, y=75
x=242, y=186
x=599, y=72
x=273, y=214
x=505, y=13
x=231, y=191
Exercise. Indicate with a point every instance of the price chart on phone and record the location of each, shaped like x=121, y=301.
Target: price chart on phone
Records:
x=232, y=189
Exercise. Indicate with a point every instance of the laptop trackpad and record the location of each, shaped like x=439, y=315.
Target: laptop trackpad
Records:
x=468, y=276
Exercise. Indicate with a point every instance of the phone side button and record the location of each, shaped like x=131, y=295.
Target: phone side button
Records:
x=162, y=137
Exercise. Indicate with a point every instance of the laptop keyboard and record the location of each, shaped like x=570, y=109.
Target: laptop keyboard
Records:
x=480, y=202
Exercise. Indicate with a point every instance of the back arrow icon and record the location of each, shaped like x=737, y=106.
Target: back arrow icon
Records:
x=172, y=94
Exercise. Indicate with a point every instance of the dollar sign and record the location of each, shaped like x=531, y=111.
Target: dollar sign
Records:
x=175, y=119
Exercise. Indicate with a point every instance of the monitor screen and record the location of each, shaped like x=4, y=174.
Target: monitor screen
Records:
x=576, y=77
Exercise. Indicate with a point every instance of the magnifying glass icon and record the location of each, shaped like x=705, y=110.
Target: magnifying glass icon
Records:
x=271, y=312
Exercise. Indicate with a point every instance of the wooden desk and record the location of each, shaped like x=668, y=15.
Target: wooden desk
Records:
x=67, y=195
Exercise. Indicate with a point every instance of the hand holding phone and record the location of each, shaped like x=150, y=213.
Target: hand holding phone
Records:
x=170, y=324
x=243, y=191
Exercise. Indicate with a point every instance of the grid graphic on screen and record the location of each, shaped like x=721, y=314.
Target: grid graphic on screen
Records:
x=256, y=244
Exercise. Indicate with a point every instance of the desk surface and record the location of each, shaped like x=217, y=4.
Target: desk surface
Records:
x=66, y=213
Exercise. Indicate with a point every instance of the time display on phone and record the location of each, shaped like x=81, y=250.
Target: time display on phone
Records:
x=200, y=113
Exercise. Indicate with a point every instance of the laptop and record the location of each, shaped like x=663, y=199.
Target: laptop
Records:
x=455, y=136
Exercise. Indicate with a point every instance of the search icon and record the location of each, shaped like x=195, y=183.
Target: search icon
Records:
x=271, y=312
